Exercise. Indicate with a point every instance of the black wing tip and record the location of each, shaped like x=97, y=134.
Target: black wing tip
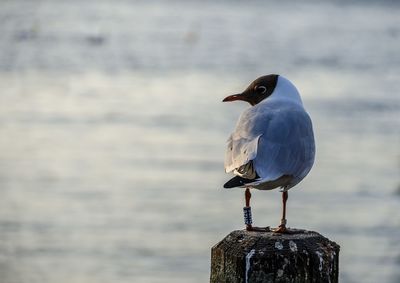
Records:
x=227, y=186
x=237, y=181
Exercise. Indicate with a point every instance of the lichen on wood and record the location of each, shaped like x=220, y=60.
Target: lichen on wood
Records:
x=249, y=257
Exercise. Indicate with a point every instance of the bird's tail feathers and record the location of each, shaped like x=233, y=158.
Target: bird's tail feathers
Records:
x=237, y=181
x=260, y=184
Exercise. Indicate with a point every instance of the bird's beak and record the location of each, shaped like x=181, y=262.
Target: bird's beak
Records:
x=234, y=97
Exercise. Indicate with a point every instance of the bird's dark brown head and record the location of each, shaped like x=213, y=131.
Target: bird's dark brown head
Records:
x=257, y=91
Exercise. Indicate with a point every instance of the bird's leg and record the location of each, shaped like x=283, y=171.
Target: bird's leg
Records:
x=282, y=228
x=285, y=196
x=247, y=196
x=248, y=217
x=247, y=211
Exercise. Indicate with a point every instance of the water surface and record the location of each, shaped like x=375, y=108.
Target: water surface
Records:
x=112, y=133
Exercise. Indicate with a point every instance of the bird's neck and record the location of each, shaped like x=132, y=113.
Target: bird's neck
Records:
x=285, y=91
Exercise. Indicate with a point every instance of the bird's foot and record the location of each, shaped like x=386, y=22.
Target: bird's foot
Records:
x=257, y=229
x=281, y=230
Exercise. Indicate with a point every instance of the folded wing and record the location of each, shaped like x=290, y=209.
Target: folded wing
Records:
x=278, y=143
x=242, y=145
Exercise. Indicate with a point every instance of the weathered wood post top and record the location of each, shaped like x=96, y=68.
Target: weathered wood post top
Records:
x=300, y=256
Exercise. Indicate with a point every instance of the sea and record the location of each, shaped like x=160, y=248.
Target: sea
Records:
x=113, y=133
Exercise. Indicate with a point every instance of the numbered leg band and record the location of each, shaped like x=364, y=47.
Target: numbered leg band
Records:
x=247, y=215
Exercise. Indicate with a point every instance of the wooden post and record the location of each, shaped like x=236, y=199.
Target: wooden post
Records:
x=249, y=257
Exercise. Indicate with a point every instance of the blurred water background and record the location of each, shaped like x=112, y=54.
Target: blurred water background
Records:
x=112, y=133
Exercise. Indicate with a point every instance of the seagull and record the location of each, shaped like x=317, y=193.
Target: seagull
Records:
x=272, y=145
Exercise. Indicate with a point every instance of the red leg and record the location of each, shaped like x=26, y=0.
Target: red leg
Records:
x=285, y=196
x=247, y=196
x=282, y=227
x=249, y=227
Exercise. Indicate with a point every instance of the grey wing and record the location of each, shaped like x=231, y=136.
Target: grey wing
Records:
x=240, y=151
x=286, y=148
x=242, y=145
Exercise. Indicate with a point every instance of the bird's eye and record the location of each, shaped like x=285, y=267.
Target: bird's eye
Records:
x=261, y=89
